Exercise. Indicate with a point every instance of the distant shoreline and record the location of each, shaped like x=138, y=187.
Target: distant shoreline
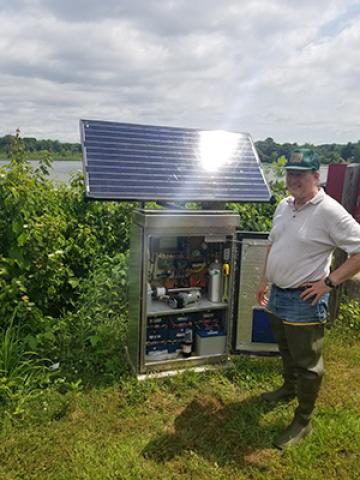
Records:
x=78, y=158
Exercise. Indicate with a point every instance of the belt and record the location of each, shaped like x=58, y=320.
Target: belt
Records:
x=295, y=289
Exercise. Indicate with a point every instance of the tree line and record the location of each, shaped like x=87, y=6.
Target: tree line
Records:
x=33, y=146
x=268, y=149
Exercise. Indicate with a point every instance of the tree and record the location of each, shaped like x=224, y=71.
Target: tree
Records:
x=347, y=151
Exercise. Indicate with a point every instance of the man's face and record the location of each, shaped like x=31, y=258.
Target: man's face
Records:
x=302, y=183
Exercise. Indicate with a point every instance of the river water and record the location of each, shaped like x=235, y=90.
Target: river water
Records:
x=62, y=170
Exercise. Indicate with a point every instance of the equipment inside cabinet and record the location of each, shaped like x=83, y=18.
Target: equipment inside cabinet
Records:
x=187, y=282
x=185, y=263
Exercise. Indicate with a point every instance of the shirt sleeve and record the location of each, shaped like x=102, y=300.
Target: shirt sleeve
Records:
x=345, y=233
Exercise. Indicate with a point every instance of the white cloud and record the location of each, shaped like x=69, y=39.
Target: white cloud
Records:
x=283, y=69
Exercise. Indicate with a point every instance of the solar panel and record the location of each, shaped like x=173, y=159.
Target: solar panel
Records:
x=124, y=161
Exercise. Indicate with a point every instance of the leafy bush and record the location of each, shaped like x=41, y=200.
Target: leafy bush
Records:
x=49, y=240
x=348, y=319
x=62, y=280
x=91, y=339
x=257, y=217
x=254, y=217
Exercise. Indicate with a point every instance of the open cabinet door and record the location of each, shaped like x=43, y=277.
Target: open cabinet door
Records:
x=251, y=325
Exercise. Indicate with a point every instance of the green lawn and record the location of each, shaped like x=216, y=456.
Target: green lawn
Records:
x=193, y=426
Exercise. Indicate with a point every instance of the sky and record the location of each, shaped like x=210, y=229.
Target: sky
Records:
x=284, y=69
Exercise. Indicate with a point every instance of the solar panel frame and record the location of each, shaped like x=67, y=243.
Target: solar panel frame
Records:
x=134, y=162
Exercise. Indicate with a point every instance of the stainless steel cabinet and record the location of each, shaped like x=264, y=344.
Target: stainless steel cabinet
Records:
x=173, y=320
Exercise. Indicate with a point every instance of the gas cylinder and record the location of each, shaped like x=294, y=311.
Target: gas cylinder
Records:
x=215, y=282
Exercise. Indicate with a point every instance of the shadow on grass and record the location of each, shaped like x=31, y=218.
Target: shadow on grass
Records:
x=221, y=434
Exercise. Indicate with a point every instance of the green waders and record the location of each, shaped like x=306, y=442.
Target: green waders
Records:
x=300, y=348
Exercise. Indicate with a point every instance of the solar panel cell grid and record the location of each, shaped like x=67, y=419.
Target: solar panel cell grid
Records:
x=142, y=162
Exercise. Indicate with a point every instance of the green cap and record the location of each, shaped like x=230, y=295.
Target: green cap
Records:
x=303, y=159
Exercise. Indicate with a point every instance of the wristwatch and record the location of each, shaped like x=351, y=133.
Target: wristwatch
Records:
x=329, y=283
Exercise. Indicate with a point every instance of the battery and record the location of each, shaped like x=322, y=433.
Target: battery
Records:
x=209, y=343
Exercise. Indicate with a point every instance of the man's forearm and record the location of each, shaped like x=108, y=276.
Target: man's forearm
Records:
x=347, y=270
x=263, y=284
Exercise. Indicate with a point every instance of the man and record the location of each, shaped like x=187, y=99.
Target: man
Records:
x=307, y=226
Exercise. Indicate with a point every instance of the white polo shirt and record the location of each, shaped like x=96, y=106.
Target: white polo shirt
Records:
x=302, y=241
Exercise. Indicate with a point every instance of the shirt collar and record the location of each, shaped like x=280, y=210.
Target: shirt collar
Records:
x=319, y=197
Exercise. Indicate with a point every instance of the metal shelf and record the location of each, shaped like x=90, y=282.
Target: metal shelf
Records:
x=157, y=308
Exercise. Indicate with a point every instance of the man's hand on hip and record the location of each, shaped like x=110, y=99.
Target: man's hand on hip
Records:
x=316, y=290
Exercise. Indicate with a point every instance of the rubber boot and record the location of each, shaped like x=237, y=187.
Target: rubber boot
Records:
x=293, y=434
x=300, y=427
x=307, y=392
x=283, y=394
x=288, y=390
x=310, y=372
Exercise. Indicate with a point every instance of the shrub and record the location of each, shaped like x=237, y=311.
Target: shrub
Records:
x=50, y=239
x=51, y=305
x=91, y=339
x=348, y=319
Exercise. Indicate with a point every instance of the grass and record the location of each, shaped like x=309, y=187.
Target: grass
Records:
x=193, y=426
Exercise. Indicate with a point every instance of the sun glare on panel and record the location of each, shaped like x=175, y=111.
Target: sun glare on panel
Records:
x=216, y=148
